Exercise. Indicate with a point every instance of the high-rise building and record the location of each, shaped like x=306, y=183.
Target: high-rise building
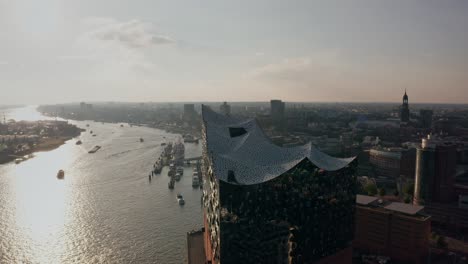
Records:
x=392, y=162
x=268, y=204
x=400, y=231
x=405, y=113
x=277, y=109
x=435, y=171
x=225, y=109
x=189, y=112
x=425, y=118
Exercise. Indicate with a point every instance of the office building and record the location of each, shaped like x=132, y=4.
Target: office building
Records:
x=277, y=111
x=225, y=109
x=268, y=204
x=435, y=170
x=400, y=231
x=392, y=162
x=425, y=118
x=189, y=112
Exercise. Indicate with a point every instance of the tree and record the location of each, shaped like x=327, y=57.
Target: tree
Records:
x=370, y=189
x=407, y=199
x=441, y=242
x=382, y=192
x=409, y=189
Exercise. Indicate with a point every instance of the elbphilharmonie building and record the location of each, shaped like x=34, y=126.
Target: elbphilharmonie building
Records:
x=268, y=204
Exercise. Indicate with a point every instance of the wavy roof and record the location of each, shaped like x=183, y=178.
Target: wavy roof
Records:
x=241, y=146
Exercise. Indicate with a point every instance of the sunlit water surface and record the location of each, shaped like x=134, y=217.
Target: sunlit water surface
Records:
x=105, y=210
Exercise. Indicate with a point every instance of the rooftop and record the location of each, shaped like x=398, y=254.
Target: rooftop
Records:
x=405, y=208
x=195, y=250
x=365, y=200
x=398, y=207
x=242, y=154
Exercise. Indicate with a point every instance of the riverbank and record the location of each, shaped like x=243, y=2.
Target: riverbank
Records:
x=46, y=144
x=18, y=139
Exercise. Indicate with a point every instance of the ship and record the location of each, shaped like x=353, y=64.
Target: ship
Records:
x=172, y=170
x=95, y=149
x=171, y=183
x=190, y=139
x=60, y=174
x=21, y=159
x=195, y=181
x=180, y=170
x=180, y=199
x=177, y=176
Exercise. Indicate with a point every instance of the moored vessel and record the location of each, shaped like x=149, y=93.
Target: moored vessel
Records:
x=180, y=199
x=95, y=149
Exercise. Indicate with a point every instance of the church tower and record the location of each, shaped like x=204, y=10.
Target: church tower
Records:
x=405, y=116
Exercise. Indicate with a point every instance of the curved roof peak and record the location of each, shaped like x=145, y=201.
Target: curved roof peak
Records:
x=240, y=150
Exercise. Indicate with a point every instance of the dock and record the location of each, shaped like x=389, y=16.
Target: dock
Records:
x=195, y=247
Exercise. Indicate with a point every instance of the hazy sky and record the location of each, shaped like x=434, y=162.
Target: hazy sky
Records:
x=129, y=50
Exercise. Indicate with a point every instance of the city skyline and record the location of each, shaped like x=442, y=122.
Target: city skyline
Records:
x=309, y=51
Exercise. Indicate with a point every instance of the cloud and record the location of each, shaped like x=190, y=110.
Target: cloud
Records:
x=290, y=68
x=107, y=48
x=299, y=69
x=324, y=75
x=133, y=34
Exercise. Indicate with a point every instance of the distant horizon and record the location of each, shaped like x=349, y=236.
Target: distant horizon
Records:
x=3, y=106
x=320, y=51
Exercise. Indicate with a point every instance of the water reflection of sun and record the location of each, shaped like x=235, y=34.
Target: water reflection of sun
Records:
x=42, y=206
x=28, y=113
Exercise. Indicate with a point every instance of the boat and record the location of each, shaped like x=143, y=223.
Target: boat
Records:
x=141, y=140
x=60, y=174
x=24, y=158
x=95, y=149
x=171, y=184
x=79, y=142
x=94, y=135
x=178, y=176
x=195, y=181
x=190, y=139
x=172, y=170
x=180, y=170
x=180, y=199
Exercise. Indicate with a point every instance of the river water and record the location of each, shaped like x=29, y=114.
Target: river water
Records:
x=105, y=210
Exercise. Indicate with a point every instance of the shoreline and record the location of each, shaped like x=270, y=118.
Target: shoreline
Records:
x=45, y=145
x=168, y=129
